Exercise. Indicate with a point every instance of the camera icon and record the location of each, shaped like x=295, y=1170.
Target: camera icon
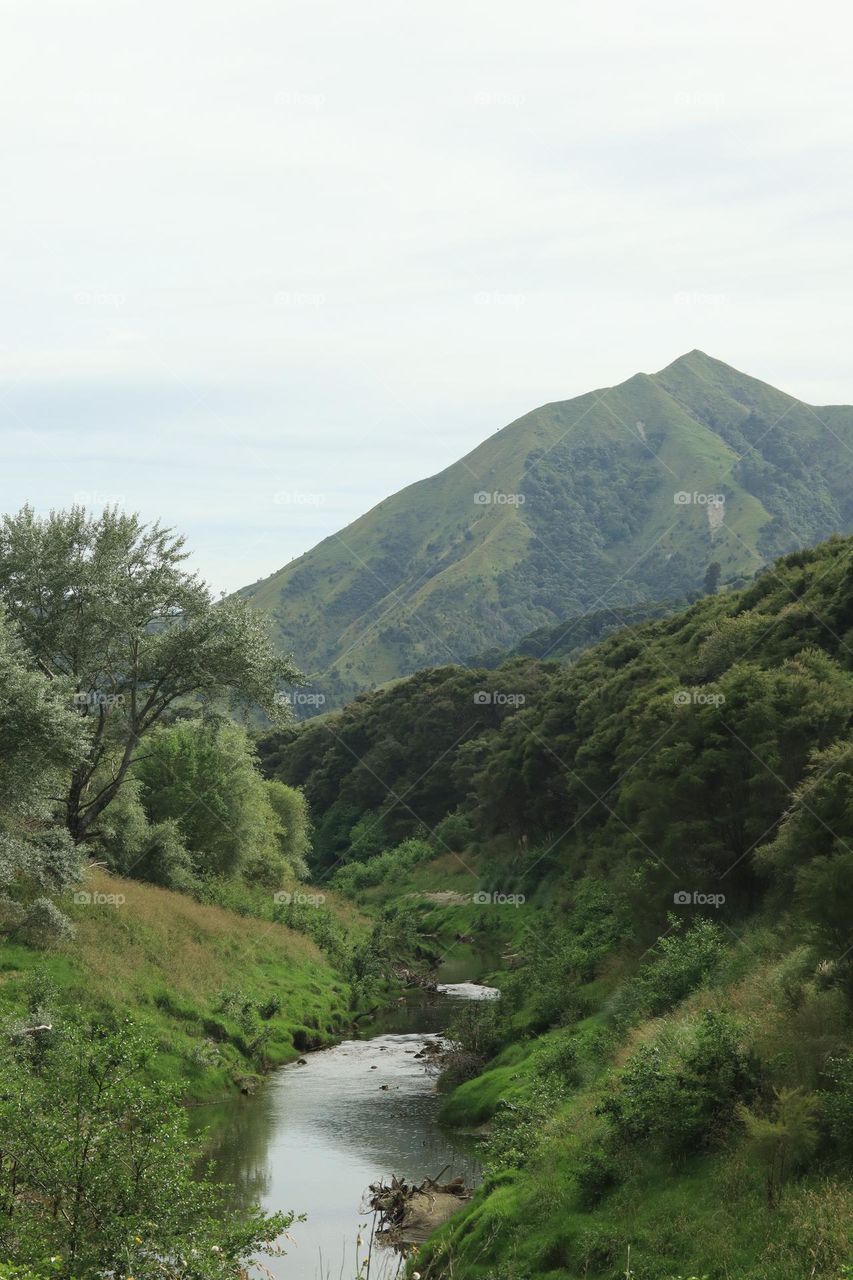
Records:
x=82, y=898
x=681, y=499
x=283, y=898
x=682, y=898
x=681, y=698
x=482, y=698
x=482, y=499
x=481, y=898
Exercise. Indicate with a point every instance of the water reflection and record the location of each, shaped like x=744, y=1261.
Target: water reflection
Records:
x=315, y=1136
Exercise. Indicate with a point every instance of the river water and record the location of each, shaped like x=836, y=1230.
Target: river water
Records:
x=314, y=1137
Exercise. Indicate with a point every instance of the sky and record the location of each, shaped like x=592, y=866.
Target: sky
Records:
x=267, y=261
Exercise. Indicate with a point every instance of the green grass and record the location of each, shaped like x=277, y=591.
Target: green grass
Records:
x=702, y=1215
x=185, y=973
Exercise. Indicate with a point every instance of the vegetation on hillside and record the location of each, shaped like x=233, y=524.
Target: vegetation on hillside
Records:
x=119, y=996
x=616, y=498
x=669, y=1068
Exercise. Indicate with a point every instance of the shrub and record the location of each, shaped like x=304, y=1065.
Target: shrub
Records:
x=596, y=1172
x=678, y=965
x=688, y=1101
x=838, y=1105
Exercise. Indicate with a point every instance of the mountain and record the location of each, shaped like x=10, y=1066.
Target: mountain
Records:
x=657, y=841
x=617, y=497
x=568, y=639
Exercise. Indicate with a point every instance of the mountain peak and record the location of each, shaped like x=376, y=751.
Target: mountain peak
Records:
x=695, y=361
x=573, y=503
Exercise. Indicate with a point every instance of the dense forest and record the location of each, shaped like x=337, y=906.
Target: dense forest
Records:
x=674, y=811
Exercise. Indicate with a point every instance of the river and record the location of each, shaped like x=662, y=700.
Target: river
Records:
x=314, y=1137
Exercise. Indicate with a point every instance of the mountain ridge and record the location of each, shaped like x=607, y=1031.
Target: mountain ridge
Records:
x=607, y=496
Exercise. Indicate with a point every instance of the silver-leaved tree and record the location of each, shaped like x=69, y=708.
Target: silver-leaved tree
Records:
x=109, y=612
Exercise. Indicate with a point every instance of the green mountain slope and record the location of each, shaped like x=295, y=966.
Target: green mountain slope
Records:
x=654, y=846
x=570, y=509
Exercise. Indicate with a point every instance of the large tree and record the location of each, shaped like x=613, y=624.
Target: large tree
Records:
x=41, y=741
x=105, y=603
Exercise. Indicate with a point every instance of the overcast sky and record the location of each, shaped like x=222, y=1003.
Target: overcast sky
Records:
x=267, y=261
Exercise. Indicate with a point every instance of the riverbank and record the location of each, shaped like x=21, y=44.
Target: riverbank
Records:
x=315, y=1137
x=227, y=998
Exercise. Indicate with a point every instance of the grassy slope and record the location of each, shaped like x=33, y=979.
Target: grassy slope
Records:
x=428, y=576
x=707, y=1217
x=699, y=1214
x=165, y=960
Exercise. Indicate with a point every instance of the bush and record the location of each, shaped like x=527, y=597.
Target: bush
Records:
x=689, y=1100
x=838, y=1106
x=356, y=876
x=473, y=1037
x=679, y=964
x=559, y=1057
x=99, y=1171
x=596, y=1172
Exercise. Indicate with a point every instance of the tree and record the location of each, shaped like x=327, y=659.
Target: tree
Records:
x=97, y=1169
x=104, y=603
x=203, y=777
x=294, y=825
x=712, y=577
x=41, y=740
x=785, y=1140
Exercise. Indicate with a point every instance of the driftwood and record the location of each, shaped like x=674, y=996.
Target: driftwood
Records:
x=410, y=978
x=409, y=1212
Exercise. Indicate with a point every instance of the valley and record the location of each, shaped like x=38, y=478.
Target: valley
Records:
x=635, y=828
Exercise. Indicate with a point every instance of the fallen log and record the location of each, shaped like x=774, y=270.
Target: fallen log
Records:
x=409, y=1212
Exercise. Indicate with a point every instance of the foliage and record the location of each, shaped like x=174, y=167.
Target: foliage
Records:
x=473, y=1036
x=385, y=866
x=104, y=604
x=363, y=770
x=97, y=1168
x=784, y=1139
x=40, y=741
x=201, y=776
x=678, y=964
x=689, y=1099
x=837, y=1105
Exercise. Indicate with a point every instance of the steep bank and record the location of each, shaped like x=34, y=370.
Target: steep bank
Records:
x=226, y=997
x=658, y=839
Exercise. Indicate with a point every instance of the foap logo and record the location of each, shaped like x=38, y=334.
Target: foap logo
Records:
x=684, y=499
x=298, y=498
x=99, y=298
x=688, y=299
x=298, y=698
x=301, y=101
x=98, y=700
x=698, y=698
x=85, y=899
x=489, y=298
x=484, y=899
x=684, y=898
x=98, y=498
x=498, y=98
x=495, y=698
x=298, y=298
x=286, y=899
x=483, y=499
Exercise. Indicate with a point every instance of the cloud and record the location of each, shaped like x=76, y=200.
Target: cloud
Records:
x=244, y=235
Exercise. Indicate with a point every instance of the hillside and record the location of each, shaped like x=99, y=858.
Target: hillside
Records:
x=659, y=842
x=570, y=509
x=226, y=997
